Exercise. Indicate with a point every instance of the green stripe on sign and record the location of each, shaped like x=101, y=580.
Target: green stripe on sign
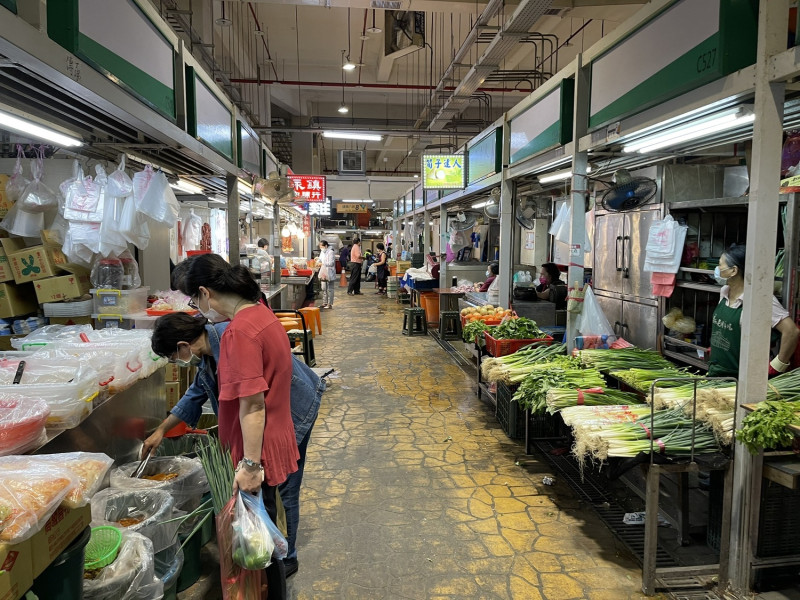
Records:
x=548, y=138
x=10, y=5
x=701, y=65
x=158, y=95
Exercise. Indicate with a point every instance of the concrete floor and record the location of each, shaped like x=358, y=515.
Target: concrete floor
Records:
x=413, y=491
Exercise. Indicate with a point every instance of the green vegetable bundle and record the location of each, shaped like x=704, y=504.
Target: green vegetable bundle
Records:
x=513, y=368
x=623, y=358
x=218, y=466
x=473, y=331
x=785, y=386
x=768, y=426
x=517, y=329
x=558, y=399
x=641, y=379
x=715, y=404
x=532, y=392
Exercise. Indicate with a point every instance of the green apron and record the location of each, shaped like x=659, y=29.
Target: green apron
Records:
x=726, y=341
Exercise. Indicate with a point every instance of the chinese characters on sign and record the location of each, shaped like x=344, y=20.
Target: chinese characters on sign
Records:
x=309, y=188
x=443, y=171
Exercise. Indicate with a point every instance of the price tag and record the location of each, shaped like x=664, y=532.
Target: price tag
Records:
x=612, y=131
x=575, y=249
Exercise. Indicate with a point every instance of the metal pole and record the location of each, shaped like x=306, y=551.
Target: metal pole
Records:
x=579, y=190
x=444, y=280
x=506, y=223
x=762, y=217
x=231, y=182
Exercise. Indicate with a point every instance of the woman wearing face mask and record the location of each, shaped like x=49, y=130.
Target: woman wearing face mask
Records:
x=187, y=340
x=254, y=377
x=550, y=287
x=491, y=274
x=726, y=327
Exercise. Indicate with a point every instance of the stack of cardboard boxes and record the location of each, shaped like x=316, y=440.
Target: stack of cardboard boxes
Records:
x=177, y=381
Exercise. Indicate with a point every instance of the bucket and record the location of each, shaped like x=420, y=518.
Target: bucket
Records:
x=63, y=579
x=430, y=302
x=168, y=567
x=208, y=531
x=191, y=561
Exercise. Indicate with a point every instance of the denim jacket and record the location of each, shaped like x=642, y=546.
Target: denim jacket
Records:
x=306, y=391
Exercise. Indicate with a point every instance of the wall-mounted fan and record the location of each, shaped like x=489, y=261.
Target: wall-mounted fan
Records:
x=628, y=192
x=492, y=209
x=526, y=213
x=277, y=188
x=463, y=221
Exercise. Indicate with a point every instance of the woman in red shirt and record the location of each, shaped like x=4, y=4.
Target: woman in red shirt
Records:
x=255, y=376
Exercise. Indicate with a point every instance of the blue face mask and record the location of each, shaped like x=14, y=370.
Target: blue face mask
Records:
x=719, y=278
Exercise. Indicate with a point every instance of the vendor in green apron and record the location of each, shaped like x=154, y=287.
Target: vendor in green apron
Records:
x=726, y=329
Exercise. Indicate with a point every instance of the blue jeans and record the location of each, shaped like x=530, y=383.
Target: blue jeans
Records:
x=290, y=496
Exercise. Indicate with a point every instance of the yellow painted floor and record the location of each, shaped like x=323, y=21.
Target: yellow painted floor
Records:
x=412, y=490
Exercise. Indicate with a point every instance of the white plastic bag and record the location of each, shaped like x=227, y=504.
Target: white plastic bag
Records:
x=17, y=182
x=667, y=263
x=560, y=226
x=130, y=577
x=593, y=320
x=133, y=225
x=119, y=184
x=23, y=223
x=37, y=197
x=153, y=509
x=159, y=202
x=252, y=542
x=192, y=231
x=83, y=198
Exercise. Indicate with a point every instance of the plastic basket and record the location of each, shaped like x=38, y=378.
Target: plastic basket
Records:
x=509, y=414
x=504, y=347
x=544, y=427
x=103, y=547
x=779, y=524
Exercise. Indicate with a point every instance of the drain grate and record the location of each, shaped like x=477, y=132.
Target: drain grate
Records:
x=591, y=487
x=631, y=536
x=694, y=595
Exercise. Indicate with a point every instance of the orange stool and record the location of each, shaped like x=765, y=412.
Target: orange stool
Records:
x=289, y=324
x=313, y=318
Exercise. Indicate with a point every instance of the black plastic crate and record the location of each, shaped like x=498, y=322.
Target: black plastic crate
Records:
x=509, y=414
x=545, y=426
x=779, y=523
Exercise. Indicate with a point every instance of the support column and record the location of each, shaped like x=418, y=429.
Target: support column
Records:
x=579, y=191
x=506, y=225
x=427, y=232
x=231, y=182
x=762, y=218
x=444, y=280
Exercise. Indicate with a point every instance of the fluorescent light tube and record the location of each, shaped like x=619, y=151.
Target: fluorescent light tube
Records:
x=358, y=201
x=335, y=231
x=348, y=66
x=186, y=186
x=26, y=127
x=482, y=204
x=698, y=128
x=244, y=188
x=559, y=176
x=353, y=135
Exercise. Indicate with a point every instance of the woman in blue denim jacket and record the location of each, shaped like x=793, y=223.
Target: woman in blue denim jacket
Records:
x=189, y=341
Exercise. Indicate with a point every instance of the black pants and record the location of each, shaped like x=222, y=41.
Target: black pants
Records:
x=382, y=277
x=354, y=286
x=275, y=572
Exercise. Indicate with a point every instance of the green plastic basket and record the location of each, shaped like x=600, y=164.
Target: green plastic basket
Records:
x=102, y=548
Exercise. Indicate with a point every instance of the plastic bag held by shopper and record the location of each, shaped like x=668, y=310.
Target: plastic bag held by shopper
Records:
x=252, y=541
x=237, y=583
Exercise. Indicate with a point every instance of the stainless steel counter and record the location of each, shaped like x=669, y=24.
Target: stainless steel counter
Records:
x=118, y=425
x=271, y=290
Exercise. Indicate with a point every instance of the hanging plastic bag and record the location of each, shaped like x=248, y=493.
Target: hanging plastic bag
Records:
x=159, y=202
x=192, y=231
x=111, y=240
x=237, y=583
x=575, y=299
x=130, y=577
x=38, y=197
x=593, y=320
x=17, y=182
x=252, y=542
x=558, y=222
x=133, y=225
x=23, y=223
x=119, y=184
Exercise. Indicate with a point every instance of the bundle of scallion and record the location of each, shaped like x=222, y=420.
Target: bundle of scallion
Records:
x=218, y=466
x=560, y=398
x=641, y=379
x=532, y=392
x=513, y=368
x=670, y=432
x=597, y=417
x=715, y=405
x=785, y=386
x=623, y=358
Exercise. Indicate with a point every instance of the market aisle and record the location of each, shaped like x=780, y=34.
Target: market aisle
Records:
x=411, y=488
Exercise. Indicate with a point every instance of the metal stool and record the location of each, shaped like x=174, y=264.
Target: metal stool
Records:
x=306, y=346
x=450, y=325
x=414, y=322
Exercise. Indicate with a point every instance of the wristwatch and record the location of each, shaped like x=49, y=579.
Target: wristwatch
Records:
x=250, y=465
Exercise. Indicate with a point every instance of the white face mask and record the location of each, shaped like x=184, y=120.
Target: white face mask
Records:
x=488, y=273
x=211, y=314
x=719, y=278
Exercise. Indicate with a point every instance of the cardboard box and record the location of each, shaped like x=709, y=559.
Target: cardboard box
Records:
x=16, y=570
x=172, y=373
x=60, y=531
x=9, y=245
x=36, y=262
x=173, y=394
x=17, y=300
x=64, y=287
x=87, y=320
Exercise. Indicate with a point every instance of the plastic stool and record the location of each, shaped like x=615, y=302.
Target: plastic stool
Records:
x=306, y=349
x=414, y=322
x=289, y=324
x=313, y=319
x=450, y=325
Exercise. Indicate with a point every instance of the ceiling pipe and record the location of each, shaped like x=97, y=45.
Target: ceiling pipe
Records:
x=392, y=132
x=263, y=38
x=377, y=86
x=363, y=34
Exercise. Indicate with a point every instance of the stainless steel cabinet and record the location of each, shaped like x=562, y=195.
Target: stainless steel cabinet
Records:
x=634, y=321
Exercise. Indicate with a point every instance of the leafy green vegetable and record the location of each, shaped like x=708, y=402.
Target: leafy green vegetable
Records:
x=768, y=426
x=473, y=330
x=518, y=329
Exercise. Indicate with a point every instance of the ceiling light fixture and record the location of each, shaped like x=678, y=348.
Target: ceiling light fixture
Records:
x=244, y=187
x=335, y=231
x=482, y=204
x=259, y=32
x=186, y=186
x=353, y=135
x=721, y=121
x=348, y=66
x=374, y=29
x=358, y=201
x=26, y=127
x=343, y=108
x=559, y=175
x=223, y=21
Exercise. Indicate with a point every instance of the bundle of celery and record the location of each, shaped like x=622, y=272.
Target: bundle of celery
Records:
x=558, y=399
x=514, y=367
x=768, y=425
x=641, y=379
x=623, y=358
x=671, y=432
x=532, y=392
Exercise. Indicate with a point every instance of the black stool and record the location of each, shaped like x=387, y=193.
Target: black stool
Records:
x=450, y=325
x=306, y=346
x=414, y=322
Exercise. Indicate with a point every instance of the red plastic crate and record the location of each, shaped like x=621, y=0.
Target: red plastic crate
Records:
x=487, y=321
x=504, y=347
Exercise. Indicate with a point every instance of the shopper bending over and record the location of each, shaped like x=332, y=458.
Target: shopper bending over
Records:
x=491, y=274
x=327, y=273
x=383, y=268
x=188, y=341
x=254, y=374
x=356, y=259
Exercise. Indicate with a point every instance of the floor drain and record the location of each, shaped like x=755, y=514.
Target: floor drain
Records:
x=694, y=595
